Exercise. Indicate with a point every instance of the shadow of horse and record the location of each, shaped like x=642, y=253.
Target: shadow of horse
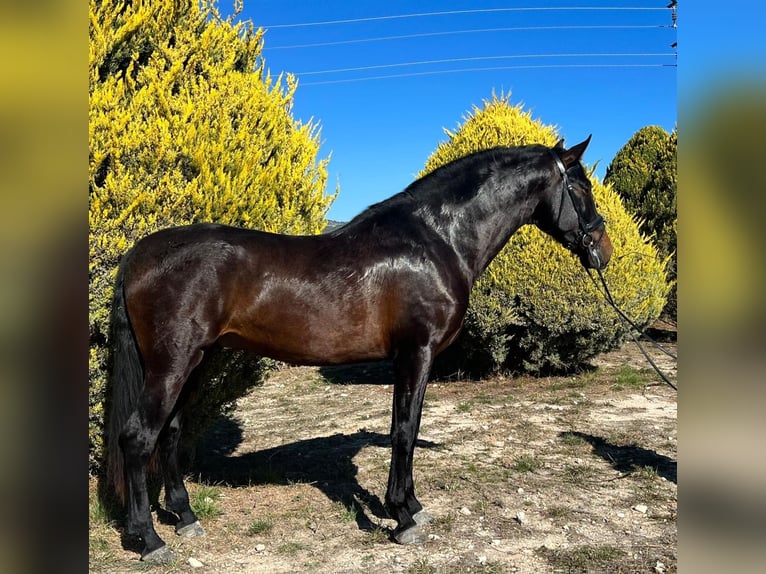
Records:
x=628, y=459
x=376, y=373
x=327, y=463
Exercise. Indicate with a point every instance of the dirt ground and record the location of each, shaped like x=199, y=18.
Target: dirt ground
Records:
x=559, y=474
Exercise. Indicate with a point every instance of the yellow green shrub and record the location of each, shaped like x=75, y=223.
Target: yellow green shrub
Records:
x=535, y=308
x=186, y=125
x=643, y=172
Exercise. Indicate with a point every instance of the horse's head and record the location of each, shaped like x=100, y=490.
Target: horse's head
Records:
x=568, y=211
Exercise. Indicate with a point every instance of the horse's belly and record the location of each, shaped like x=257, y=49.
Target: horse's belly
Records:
x=312, y=340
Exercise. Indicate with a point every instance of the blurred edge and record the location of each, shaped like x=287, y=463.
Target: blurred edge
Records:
x=722, y=309
x=43, y=278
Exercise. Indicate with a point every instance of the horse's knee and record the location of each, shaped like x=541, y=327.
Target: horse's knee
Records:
x=136, y=444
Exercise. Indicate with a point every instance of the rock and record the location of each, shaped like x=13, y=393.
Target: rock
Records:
x=520, y=490
x=521, y=517
x=194, y=563
x=659, y=567
x=260, y=547
x=642, y=508
x=482, y=559
x=465, y=512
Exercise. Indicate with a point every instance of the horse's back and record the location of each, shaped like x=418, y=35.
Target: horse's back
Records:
x=324, y=299
x=304, y=299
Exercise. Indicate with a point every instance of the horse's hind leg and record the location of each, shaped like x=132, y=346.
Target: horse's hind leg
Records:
x=176, y=495
x=139, y=439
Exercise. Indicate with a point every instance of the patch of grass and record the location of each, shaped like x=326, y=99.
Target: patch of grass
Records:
x=480, y=507
x=572, y=439
x=647, y=485
x=558, y=512
x=472, y=565
x=98, y=512
x=101, y=534
x=646, y=473
x=259, y=526
x=577, y=473
x=447, y=482
x=527, y=432
x=465, y=407
x=630, y=378
x=573, y=383
x=421, y=566
x=377, y=535
x=204, y=501
x=527, y=463
x=483, y=399
x=348, y=513
x=603, y=558
x=443, y=524
x=486, y=399
x=290, y=548
x=100, y=549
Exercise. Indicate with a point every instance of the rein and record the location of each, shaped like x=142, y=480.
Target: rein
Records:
x=588, y=243
x=628, y=323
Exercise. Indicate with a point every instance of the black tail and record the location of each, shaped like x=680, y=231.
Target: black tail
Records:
x=126, y=384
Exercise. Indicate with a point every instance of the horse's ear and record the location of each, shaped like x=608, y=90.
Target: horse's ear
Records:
x=573, y=154
x=559, y=144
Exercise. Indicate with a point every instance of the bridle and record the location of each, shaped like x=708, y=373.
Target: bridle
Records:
x=586, y=240
x=586, y=227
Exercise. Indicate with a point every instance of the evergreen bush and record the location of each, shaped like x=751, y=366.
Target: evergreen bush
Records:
x=187, y=125
x=643, y=173
x=535, y=309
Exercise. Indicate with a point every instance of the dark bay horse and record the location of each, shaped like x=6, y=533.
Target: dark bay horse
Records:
x=393, y=284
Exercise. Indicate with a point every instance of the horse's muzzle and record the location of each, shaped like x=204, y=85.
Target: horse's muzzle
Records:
x=596, y=249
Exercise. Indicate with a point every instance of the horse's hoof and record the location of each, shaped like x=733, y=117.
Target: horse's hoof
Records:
x=191, y=530
x=413, y=535
x=162, y=555
x=422, y=518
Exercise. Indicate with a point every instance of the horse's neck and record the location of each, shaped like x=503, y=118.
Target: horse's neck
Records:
x=481, y=227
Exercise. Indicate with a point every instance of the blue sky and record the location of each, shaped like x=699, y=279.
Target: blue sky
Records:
x=605, y=72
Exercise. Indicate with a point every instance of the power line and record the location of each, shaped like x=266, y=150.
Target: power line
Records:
x=476, y=11
x=456, y=32
x=477, y=59
x=487, y=69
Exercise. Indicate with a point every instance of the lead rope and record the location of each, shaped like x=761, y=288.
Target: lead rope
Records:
x=608, y=296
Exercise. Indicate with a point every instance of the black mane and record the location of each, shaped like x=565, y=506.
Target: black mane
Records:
x=455, y=183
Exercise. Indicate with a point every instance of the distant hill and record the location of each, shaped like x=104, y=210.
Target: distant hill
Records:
x=333, y=225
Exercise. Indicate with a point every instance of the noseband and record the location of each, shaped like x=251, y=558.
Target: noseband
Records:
x=586, y=228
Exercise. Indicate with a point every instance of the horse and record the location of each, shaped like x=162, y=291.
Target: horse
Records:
x=393, y=283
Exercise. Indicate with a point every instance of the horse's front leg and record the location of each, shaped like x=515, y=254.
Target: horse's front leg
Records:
x=412, y=371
